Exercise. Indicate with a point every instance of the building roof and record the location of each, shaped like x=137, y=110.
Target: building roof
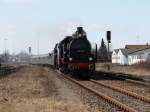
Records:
x=129, y=51
x=140, y=51
x=137, y=46
x=116, y=50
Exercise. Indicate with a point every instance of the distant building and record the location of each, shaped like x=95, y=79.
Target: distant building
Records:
x=22, y=57
x=130, y=56
x=139, y=56
x=42, y=59
x=115, y=56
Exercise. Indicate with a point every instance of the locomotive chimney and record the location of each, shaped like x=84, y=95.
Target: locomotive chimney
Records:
x=80, y=29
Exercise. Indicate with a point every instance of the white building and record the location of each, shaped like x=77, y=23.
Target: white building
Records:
x=120, y=56
x=130, y=56
x=115, y=56
x=139, y=56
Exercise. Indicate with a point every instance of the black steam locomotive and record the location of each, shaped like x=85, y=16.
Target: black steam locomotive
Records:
x=73, y=55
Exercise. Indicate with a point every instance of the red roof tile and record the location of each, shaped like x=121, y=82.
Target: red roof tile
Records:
x=137, y=46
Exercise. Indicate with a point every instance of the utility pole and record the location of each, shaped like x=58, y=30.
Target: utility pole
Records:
x=29, y=55
x=38, y=46
x=95, y=52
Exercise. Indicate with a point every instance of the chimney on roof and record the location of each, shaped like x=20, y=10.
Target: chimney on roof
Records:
x=147, y=43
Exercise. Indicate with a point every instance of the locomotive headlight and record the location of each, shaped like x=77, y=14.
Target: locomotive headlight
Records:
x=90, y=59
x=80, y=35
x=70, y=59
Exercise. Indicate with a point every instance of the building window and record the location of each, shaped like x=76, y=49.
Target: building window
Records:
x=140, y=57
x=134, y=57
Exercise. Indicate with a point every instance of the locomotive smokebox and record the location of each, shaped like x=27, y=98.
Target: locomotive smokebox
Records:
x=109, y=36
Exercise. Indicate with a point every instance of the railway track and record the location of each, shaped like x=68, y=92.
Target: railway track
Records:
x=137, y=82
x=127, y=79
x=134, y=86
x=124, y=91
x=4, y=70
x=136, y=102
x=101, y=95
x=143, y=90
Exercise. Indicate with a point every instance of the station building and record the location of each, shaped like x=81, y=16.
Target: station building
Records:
x=131, y=54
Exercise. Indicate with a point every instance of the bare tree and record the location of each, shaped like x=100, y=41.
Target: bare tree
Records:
x=23, y=57
x=5, y=57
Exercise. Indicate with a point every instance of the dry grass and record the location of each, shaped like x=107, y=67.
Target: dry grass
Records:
x=32, y=90
x=143, y=65
x=24, y=84
x=38, y=105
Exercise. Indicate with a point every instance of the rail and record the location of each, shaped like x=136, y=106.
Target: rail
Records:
x=140, y=97
x=101, y=95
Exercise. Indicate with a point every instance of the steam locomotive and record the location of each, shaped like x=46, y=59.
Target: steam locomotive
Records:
x=73, y=55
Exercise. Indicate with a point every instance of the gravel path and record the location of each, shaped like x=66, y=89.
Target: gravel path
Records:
x=71, y=100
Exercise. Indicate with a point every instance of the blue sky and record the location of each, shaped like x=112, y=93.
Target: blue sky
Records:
x=25, y=22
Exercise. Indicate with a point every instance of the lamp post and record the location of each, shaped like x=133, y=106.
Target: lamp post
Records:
x=38, y=45
x=5, y=42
